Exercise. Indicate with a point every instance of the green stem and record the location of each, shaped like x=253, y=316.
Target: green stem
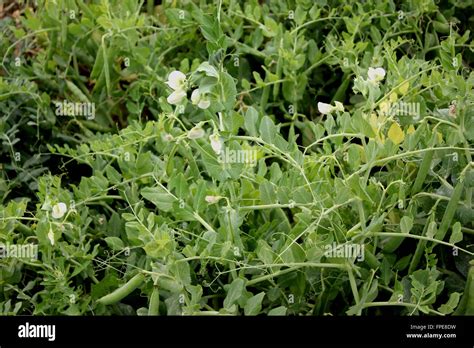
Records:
x=404, y=304
x=352, y=281
x=404, y=235
x=294, y=268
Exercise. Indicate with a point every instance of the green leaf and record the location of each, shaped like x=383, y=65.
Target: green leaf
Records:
x=233, y=122
x=406, y=224
x=424, y=286
x=254, y=304
x=198, y=201
x=227, y=91
x=395, y=133
x=452, y=303
x=456, y=235
x=432, y=229
x=360, y=124
x=170, y=285
x=182, y=272
x=265, y=252
x=251, y=121
x=258, y=79
x=235, y=291
x=267, y=193
x=179, y=184
x=114, y=243
x=300, y=15
x=159, y=248
x=270, y=29
x=208, y=69
x=278, y=311
x=115, y=225
x=159, y=197
x=211, y=164
x=268, y=130
x=113, y=175
x=210, y=27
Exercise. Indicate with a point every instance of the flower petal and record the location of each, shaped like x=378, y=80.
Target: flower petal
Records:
x=216, y=143
x=339, y=106
x=176, y=97
x=376, y=74
x=196, y=96
x=204, y=104
x=51, y=236
x=196, y=133
x=176, y=80
x=325, y=108
x=59, y=210
x=212, y=199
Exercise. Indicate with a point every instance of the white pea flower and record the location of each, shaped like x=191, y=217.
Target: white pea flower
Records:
x=328, y=108
x=199, y=99
x=176, y=80
x=176, y=97
x=196, y=133
x=167, y=137
x=212, y=199
x=59, y=210
x=195, y=96
x=204, y=104
x=216, y=143
x=51, y=236
x=376, y=74
x=325, y=108
x=339, y=107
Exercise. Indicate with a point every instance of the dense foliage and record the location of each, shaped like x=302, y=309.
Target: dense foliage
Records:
x=237, y=157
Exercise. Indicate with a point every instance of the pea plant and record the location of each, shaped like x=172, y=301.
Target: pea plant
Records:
x=236, y=158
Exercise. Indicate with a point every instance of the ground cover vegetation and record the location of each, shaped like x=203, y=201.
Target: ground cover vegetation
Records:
x=287, y=157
